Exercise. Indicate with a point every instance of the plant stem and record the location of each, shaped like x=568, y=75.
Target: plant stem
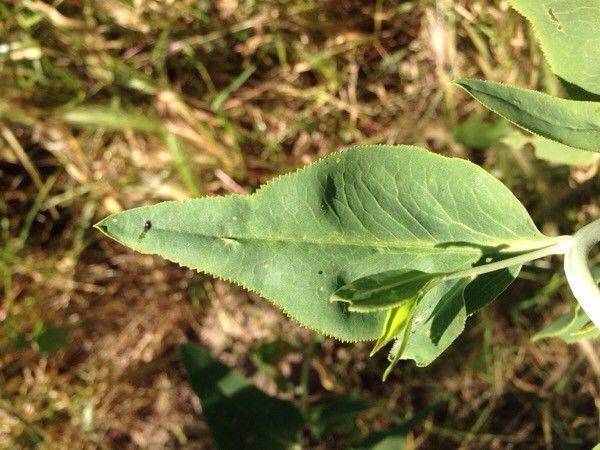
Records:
x=305, y=374
x=578, y=272
x=560, y=247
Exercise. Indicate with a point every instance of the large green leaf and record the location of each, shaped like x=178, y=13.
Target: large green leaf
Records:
x=238, y=413
x=570, y=122
x=356, y=213
x=568, y=32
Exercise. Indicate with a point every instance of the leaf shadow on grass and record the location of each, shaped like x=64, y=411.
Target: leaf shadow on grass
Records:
x=238, y=414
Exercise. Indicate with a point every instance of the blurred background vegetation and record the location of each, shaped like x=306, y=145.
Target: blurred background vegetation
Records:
x=112, y=104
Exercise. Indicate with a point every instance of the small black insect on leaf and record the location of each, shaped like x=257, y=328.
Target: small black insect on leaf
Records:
x=147, y=226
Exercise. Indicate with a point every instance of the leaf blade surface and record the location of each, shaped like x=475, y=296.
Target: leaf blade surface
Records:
x=568, y=33
x=355, y=213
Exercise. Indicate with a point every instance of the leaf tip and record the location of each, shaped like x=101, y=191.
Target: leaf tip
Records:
x=109, y=227
x=336, y=298
x=102, y=226
x=378, y=346
x=464, y=83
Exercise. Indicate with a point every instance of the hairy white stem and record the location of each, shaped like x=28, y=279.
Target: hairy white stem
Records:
x=560, y=246
x=578, y=272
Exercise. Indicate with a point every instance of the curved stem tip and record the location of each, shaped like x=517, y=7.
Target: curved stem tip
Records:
x=582, y=283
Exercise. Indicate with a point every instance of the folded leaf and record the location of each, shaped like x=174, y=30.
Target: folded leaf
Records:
x=238, y=414
x=395, y=322
x=363, y=211
x=568, y=32
x=446, y=310
x=570, y=122
x=385, y=290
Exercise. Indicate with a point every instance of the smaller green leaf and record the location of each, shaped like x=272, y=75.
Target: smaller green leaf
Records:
x=395, y=321
x=549, y=150
x=238, y=414
x=487, y=287
x=385, y=290
x=570, y=328
x=570, y=122
x=474, y=132
x=437, y=317
x=337, y=416
x=394, y=438
x=558, y=153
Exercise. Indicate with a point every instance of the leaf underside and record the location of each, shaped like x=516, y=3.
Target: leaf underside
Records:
x=568, y=33
x=355, y=213
x=572, y=123
x=557, y=153
x=384, y=290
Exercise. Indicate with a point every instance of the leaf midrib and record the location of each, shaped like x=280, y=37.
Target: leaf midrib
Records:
x=424, y=245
